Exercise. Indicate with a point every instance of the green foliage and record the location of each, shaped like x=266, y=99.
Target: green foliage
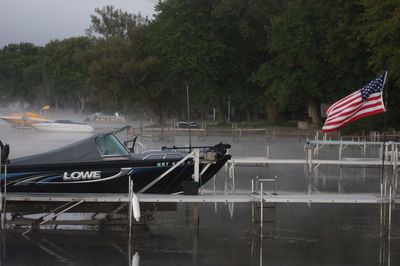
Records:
x=110, y=23
x=381, y=32
x=20, y=72
x=209, y=45
x=298, y=69
x=123, y=75
x=66, y=71
x=266, y=56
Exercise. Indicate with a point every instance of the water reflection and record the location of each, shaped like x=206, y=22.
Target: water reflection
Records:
x=66, y=248
x=195, y=235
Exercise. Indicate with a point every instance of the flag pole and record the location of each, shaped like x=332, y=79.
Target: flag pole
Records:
x=188, y=117
x=385, y=115
x=386, y=94
x=384, y=133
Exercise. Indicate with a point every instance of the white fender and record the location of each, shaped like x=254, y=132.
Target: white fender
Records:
x=135, y=207
x=136, y=259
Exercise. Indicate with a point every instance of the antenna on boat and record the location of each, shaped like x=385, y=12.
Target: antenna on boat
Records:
x=188, y=117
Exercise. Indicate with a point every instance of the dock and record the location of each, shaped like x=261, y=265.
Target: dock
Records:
x=202, y=198
x=131, y=204
x=387, y=155
x=259, y=161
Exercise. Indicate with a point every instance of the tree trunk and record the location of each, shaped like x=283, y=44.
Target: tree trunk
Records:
x=115, y=94
x=254, y=116
x=248, y=114
x=314, y=113
x=158, y=114
x=81, y=102
x=220, y=116
x=272, y=113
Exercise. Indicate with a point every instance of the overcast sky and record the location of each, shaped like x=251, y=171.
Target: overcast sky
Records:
x=40, y=21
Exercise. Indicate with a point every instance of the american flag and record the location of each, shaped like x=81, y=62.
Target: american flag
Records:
x=361, y=103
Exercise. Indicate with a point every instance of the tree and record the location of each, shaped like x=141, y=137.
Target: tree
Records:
x=122, y=73
x=66, y=71
x=304, y=42
x=187, y=37
x=110, y=23
x=20, y=72
x=380, y=30
x=247, y=23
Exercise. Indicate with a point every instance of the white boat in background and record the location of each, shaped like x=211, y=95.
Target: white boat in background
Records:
x=63, y=126
x=100, y=117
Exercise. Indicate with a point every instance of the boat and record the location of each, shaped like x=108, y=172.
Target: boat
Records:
x=183, y=124
x=25, y=119
x=63, y=126
x=101, y=163
x=100, y=117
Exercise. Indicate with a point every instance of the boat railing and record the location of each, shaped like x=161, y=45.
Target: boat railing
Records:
x=221, y=147
x=194, y=155
x=139, y=147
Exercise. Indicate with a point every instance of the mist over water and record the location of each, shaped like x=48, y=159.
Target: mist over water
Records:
x=224, y=234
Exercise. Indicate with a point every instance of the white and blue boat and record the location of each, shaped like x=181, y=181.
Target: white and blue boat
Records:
x=101, y=163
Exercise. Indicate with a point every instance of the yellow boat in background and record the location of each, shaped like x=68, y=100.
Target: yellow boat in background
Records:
x=26, y=119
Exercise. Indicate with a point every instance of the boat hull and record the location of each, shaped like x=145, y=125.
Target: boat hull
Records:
x=107, y=177
x=60, y=127
x=25, y=119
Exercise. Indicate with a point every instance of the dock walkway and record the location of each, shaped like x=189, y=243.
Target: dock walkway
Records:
x=211, y=198
x=256, y=161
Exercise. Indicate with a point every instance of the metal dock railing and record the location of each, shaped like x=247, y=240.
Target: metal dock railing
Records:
x=68, y=201
x=202, y=198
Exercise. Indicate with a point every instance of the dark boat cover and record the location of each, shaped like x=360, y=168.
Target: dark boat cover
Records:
x=86, y=150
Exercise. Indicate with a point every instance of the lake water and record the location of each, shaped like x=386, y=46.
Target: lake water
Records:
x=225, y=234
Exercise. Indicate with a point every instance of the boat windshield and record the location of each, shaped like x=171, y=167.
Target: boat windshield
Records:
x=110, y=145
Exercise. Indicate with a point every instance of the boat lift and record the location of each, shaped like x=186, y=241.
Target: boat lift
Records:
x=313, y=148
x=72, y=200
x=261, y=197
x=257, y=195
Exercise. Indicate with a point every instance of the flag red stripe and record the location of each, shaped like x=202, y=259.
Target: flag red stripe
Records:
x=363, y=113
x=341, y=102
x=353, y=107
x=355, y=102
x=344, y=118
x=373, y=105
x=363, y=110
x=349, y=110
x=354, y=119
